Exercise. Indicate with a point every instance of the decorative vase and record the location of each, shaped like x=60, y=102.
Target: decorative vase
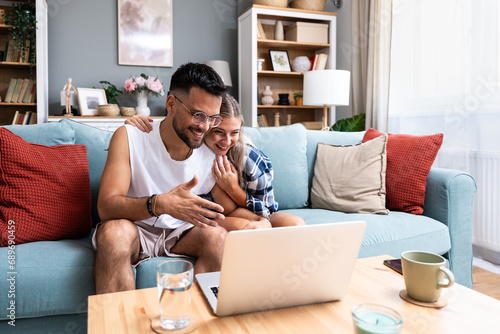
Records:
x=301, y=64
x=267, y=96
x=142, y=104
x=279, y=33
x=283, y=101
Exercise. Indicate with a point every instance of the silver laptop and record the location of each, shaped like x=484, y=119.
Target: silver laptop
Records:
x=268, y=269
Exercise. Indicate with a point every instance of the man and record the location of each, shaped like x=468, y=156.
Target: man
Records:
x=148, y=199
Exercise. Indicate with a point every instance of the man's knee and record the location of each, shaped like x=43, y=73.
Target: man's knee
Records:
x=118, y=235
x=214, y=236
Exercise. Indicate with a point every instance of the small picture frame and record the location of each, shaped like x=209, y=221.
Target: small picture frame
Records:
x=280, y=60
x=89, y=99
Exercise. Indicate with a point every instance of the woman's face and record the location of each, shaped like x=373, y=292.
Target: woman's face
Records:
x=225, y=136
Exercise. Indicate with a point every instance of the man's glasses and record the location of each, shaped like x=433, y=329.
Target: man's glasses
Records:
x=199, y=117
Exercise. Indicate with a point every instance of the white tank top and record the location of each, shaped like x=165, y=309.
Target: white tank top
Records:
x=155, y=172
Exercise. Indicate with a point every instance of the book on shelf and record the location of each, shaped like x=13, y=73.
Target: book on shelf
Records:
x=32, y=96
x=16, y=115
x=20, y=119
x=262, y=121
x=27, y=94
x=17, y=90
x=12, y=53
x=5, y=51
x=318, y=61
x=321, y=64
x=10, y=90
x=260, y=30
x=23, y=90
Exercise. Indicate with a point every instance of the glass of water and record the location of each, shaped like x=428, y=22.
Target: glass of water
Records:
x=174, y=279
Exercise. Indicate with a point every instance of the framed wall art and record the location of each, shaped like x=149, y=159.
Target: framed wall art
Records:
x=280, y=60
x=145, y=36
x=89, y=99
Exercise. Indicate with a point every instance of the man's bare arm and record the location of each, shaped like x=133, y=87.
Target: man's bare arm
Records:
x=179, y=203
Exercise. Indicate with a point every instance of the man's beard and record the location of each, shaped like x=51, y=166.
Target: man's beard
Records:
x=184, y=136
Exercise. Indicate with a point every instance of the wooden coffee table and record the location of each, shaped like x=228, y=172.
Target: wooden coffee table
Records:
x=468, y=311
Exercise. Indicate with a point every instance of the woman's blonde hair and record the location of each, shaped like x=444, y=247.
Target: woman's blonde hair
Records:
x=236, y=154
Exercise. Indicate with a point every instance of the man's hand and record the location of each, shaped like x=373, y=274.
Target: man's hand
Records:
x=182, y=204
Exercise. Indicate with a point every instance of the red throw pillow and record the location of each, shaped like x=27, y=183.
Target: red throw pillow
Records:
x=44, y=191
x=409, y=160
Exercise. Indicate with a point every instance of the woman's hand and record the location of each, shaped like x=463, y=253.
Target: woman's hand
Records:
x=141, y=122
x=225, y=174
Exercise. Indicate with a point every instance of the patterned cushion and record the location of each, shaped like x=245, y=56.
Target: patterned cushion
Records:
x=44, y=191
x=409, y=160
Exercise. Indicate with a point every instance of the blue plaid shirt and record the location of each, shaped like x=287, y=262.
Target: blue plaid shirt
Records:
x=257, y=177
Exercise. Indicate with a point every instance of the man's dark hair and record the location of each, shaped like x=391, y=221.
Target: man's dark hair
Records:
x=198, y=75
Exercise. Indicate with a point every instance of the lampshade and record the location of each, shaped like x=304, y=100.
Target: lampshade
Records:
x=326, y=88
x=222, y=68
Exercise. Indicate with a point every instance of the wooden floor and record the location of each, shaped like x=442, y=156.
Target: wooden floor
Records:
x=486, y=282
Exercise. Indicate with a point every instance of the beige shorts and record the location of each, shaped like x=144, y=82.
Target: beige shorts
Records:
x=154, y=241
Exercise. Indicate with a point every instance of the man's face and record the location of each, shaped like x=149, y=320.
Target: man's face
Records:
x=198, y=100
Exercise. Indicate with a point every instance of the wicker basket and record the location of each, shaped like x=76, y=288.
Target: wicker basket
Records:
x=317, y=5
x=110, y=110
x=272, y=3
x=128, y=111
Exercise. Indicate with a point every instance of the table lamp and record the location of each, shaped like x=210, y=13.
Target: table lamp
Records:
x=222, y=69
x=326, y=88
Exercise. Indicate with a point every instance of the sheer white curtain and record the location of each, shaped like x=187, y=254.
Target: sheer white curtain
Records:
x=445, y=63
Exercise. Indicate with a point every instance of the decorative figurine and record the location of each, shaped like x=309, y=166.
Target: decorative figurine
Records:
x=67, y=91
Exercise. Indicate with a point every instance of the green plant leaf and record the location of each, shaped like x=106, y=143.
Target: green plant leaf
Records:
x=352, y=124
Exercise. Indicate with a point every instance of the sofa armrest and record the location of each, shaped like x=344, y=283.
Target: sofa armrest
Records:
x=448, y=198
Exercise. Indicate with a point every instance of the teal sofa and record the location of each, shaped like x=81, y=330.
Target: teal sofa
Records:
x=54, y=278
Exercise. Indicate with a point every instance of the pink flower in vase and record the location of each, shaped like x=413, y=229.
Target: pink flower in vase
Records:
x=130, y=85
x=156, y=86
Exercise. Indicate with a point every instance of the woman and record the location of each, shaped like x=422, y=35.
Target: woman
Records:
x=240, y=169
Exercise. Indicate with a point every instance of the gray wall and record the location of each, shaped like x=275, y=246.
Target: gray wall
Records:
x=83, y=44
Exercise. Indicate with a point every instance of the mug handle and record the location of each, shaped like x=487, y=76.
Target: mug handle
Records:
x=451, y=278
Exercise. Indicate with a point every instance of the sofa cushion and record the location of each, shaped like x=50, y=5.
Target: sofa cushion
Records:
x=409, y=160
x=286, y=147
x=97, y=143
x=389, y=234
x=51, y=278
x=44, y=191
x=351, y=178
x=327, y=137
x=46, y=134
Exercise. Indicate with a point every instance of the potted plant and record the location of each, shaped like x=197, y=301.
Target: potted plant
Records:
x=298, y=98
x=110, y=109
x=21, y=17
x=352, y=124
x=111, y=91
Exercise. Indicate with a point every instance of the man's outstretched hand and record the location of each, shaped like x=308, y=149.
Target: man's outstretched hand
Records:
x=182, y=204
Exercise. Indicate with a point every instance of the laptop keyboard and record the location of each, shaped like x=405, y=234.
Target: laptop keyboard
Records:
x=215, y=290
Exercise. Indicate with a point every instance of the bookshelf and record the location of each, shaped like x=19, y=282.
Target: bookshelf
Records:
x=18, y=70
x=251, y=48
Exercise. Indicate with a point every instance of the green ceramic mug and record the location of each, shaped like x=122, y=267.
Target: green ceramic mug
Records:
x=424, y=273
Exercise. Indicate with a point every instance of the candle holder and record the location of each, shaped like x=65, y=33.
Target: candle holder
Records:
x=373, y=318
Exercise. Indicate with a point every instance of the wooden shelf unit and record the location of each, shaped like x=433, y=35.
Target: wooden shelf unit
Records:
x=251, y=48
x=9, y=70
